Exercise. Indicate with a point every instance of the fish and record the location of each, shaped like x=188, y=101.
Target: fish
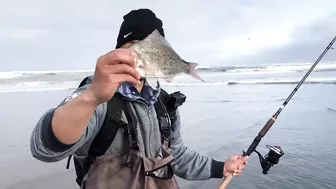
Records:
x=157, y=59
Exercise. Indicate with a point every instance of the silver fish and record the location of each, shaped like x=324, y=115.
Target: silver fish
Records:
x=157, y=59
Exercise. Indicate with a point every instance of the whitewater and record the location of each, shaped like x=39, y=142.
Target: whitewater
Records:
x=324, y=73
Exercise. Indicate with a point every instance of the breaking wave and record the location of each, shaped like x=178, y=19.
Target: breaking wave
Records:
x=287, y=81
x=27, y=74
x=37, y=86
x=262, y=81
x=49, y=86
x=238, y=69
x=238, y=75
x=279, y=68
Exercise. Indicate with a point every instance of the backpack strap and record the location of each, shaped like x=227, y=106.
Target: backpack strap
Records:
x=110, y=127
x=83, y=82
x=111, y=124
x=166, y=112
x=131, y=131
x=104, y=137
x=163, y=117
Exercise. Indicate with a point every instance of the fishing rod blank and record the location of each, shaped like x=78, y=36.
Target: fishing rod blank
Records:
x=275, y=151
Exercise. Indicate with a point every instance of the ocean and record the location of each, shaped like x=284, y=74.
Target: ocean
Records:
x=220, y=118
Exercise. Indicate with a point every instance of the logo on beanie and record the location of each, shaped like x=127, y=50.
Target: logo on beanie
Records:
x=127, y=34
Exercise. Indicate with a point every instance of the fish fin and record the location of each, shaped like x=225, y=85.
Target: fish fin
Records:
x=192, y=71
x=155, y=35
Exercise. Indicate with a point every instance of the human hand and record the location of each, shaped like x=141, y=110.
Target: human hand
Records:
x=111, y=70
x=235, y=165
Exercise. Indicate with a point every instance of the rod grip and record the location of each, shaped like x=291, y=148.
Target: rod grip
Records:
x=267, y=126
x=255, y=143
x=226, y=182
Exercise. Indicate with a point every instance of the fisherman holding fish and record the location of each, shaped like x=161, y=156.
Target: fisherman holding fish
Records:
x=122, y=132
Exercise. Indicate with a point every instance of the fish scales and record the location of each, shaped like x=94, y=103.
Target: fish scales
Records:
x=157, y=59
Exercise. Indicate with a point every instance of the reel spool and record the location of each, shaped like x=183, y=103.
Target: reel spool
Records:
x=271, y=158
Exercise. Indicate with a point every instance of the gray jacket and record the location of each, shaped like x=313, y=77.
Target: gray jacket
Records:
x=187, y=163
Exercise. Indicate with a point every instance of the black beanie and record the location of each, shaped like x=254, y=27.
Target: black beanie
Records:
x=137, y=25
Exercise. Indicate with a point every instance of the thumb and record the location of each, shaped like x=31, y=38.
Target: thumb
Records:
x=235, y=157
x=245, y=159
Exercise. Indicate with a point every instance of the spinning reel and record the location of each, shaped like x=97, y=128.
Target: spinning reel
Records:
x=271, y=158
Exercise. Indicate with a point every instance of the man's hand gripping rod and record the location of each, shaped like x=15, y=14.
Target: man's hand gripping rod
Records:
x=271, y=121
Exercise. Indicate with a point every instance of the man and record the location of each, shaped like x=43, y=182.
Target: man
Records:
x=76, y=124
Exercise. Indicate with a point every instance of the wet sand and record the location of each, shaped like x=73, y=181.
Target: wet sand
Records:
x=225, y=118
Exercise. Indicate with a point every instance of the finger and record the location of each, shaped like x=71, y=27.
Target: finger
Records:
x=127, y=45
x=243, y=160
x=121, y=55
x=235, y=174
x=237, y=171
x=124, y=69
x=241, y=167
x=121, y=78
x=235, y=157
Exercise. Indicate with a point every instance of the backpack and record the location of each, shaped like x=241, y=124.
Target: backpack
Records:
x=165, y=109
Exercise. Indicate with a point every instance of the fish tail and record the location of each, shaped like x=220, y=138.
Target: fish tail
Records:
x=192, y=71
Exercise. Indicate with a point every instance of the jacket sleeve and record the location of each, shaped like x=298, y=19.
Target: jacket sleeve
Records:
x=189, y=164
x=46, y=147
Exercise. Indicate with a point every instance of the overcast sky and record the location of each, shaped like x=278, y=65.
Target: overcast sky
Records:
x=72, y=34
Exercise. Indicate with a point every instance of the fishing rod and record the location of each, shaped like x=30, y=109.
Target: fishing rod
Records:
x=275, y=152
